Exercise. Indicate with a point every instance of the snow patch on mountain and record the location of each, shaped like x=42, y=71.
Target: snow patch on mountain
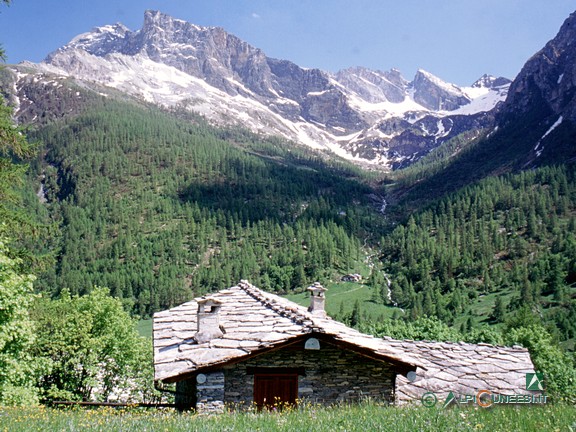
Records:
x=554, y=126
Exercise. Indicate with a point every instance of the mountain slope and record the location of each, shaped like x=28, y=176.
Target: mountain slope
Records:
x=535, y=126
x=545, y=93
x=171, y=62
x=161, y=209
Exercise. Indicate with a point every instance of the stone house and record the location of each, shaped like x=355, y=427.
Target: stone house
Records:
x=353, y=277
x=242, y=346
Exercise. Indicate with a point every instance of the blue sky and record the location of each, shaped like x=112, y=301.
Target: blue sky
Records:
x=457, y=40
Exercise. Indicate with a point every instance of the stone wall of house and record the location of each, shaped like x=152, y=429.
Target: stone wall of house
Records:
x=210, y=394
x=206, y=395
x=331, y=375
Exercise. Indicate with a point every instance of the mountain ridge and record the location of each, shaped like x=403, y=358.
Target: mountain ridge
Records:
x=213, y=73
x=534, y=127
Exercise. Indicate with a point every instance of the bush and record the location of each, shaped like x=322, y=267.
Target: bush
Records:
x=17, y=367
x=91, y=348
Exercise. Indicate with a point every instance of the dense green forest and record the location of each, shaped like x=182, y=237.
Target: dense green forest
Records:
x=513, y=236
x=159, y=207
x=161, y=210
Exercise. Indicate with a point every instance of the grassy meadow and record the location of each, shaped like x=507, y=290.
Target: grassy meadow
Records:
x=341, y=297
x=364, y=417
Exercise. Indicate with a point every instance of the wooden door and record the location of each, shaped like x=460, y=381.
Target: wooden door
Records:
x=275, y=390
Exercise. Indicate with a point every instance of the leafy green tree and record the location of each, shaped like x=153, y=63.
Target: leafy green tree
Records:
x=17, y=367
x=548, y=357
x=423, y=328
x=526, y=329
x=90, y=345
x=485, y=334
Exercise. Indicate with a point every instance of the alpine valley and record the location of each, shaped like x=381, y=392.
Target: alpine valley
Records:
x=176, y=160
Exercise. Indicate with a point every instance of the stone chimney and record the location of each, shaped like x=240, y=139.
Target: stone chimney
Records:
x=317, y=300
x=208, y=320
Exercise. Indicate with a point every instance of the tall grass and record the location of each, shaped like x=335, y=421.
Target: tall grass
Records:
x=365, y=417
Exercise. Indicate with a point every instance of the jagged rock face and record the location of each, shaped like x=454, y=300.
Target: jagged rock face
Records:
x=403, y=142
x=330, y=108
x=434, y=95
x=208, y=53
x=357, y=113
x=548, y=76
x=489, y=81
x=538, y=118
x=311, y=89
x=374, y=86
x=294, y=82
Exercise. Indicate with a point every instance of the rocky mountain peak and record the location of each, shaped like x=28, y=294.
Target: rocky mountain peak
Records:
x=549, y=76
x=490, y=82
x=96, y=42
x=363, y=114
x=161, y=32
x=374, y=86
x=154, y=18
x=436, y=94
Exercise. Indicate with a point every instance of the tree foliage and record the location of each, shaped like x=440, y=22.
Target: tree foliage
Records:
x=160, y=210
x=17, y=333
x=423, y=328
x=511, y=237
x=91, y=347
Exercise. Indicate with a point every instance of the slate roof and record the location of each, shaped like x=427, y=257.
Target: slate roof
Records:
x=255, y=321
x=463, y=368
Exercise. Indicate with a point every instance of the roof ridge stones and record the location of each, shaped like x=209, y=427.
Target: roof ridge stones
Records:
x=274, y=303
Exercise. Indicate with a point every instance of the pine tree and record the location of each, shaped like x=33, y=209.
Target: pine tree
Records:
x=469, y=325
x=356, y=314
x=499, y=311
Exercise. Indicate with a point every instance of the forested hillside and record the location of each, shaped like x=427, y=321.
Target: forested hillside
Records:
x=160, y=207
x=161, y=210
x=512, y=238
